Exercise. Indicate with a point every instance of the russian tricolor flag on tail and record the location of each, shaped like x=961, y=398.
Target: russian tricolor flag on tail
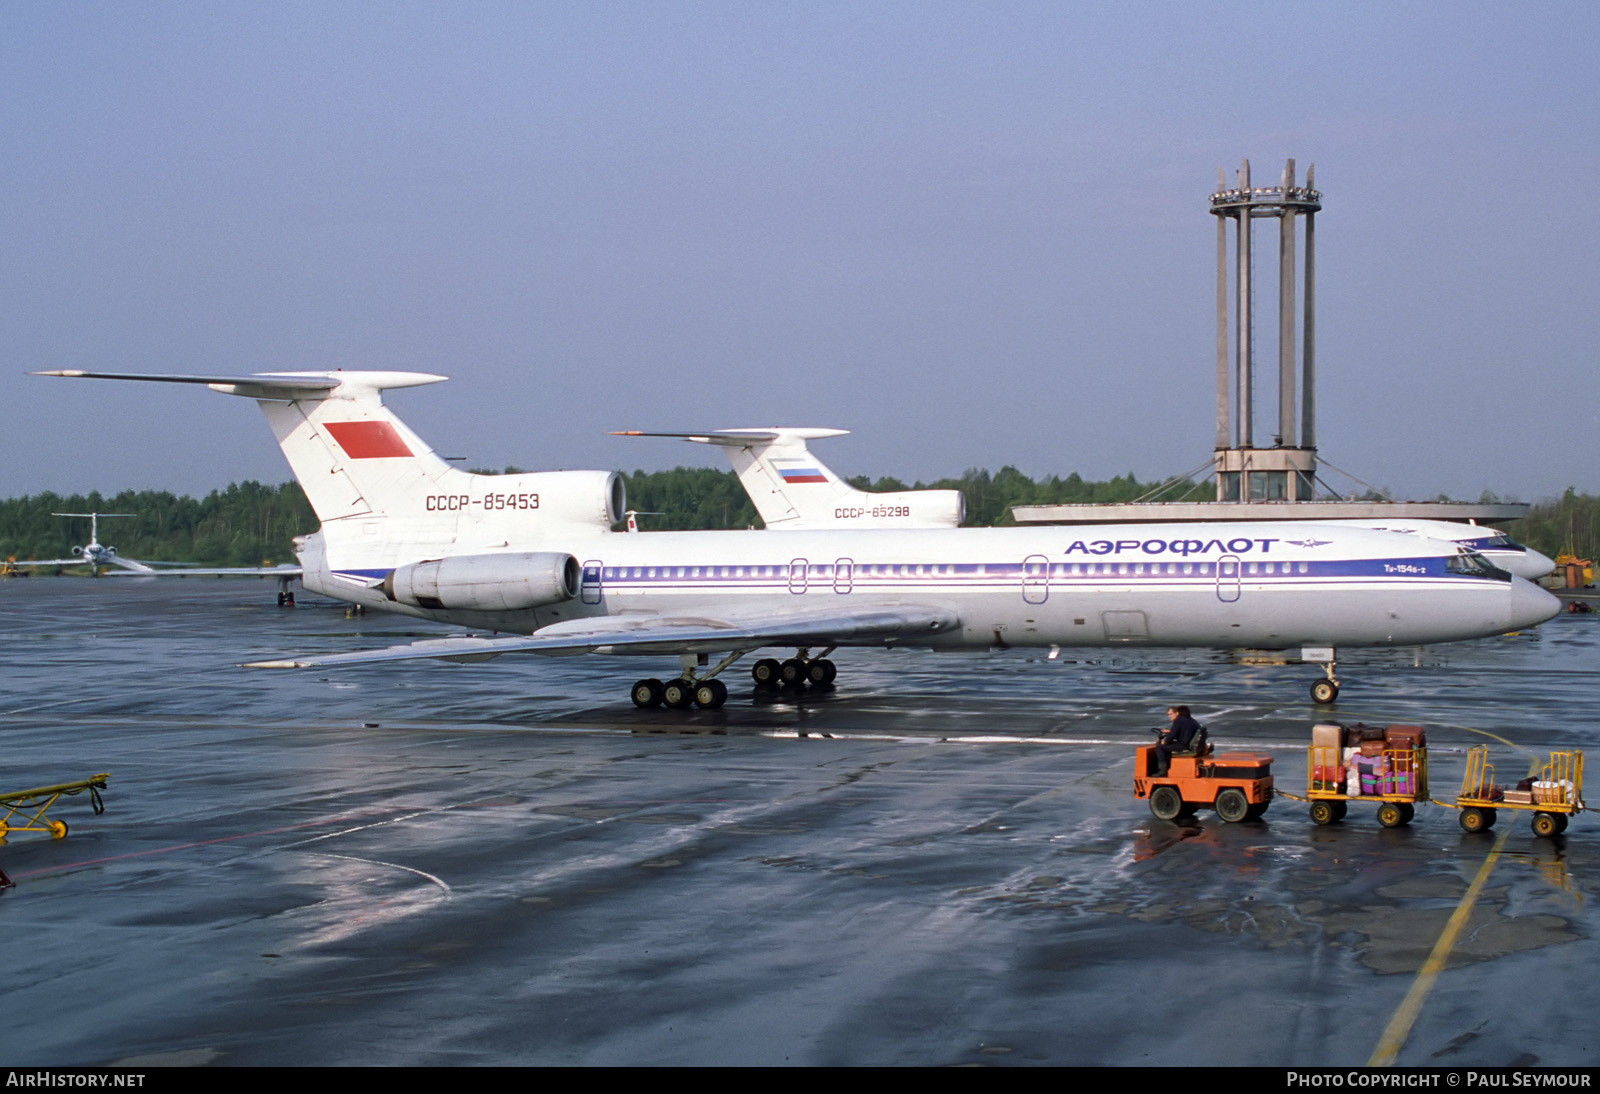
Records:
x=797, y=472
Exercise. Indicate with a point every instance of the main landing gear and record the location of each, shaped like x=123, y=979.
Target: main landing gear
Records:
x=688, y=690
x=796, y=671
x=708, y=692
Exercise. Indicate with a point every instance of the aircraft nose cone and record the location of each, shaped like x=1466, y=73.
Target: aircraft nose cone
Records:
x=1535, y=565
x=1531, y=605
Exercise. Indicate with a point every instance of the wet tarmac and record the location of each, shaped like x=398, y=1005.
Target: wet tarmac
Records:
x=937, y=862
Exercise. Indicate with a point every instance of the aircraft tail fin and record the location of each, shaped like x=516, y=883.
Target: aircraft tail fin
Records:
x=356, y=459
x=792, y=489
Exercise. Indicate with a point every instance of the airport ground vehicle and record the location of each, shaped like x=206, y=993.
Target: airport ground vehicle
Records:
x=1397, y=780
x=1238, y=785
x=28, y=810
x=1391, y=773
x=1555, y=795
x=1394, y=778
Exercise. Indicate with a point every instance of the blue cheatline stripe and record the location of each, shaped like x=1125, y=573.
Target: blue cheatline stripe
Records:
x=979, y=575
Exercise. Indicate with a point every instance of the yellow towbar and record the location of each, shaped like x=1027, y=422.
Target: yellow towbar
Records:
x=31, y=806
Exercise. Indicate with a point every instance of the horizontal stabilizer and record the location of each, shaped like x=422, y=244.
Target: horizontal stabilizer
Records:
x=273, y=385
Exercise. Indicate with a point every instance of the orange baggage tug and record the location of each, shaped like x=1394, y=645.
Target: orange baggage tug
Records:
x=1238, y=785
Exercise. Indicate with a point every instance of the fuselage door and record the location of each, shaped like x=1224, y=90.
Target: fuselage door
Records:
x=843, y=574
x=1035, y=579
x=799, y=570
x=590, y=591
x=1228, y=578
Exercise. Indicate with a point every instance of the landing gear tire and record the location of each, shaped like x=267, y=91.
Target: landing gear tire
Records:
x=710, y=694
x=792, y=671
x=647, y=693
x=821, y=672
x=1392, y=814
x=1166, y=803
x=678, y=694
x=1324, y=692
x=765, y=672
x=1232, y=806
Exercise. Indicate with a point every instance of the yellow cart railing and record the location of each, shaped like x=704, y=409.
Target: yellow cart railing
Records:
x=1557, y=793
x=32, y=806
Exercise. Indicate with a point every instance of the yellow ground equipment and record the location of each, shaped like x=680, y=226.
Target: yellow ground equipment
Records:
x=1556, y=793
x=27, y=810
x=1393, y=775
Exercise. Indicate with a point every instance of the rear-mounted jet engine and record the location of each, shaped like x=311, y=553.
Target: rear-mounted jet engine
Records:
x=486, y=583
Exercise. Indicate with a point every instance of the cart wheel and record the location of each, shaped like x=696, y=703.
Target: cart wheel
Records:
x=1166, y=803
x=1390, y=815
x=1408, y=811
x=1232, y=806
x=1323, y=813
x=58, y=829
x=1257, y=811
x=1546, y=825
x=1324, y=691
x=1489, y=817
x=1340, y=808
x=1561, y=822
x=1476, y=820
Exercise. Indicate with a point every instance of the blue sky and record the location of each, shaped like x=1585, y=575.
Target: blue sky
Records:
x=974, y=234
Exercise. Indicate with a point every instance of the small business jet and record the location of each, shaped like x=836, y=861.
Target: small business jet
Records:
x=96, y=555
x=792, y=489
x=533, y=558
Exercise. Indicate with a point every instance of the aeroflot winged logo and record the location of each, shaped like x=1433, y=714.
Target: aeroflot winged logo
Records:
x=368, y=440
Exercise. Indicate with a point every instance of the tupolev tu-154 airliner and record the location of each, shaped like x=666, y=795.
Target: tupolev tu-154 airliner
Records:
x=533, y=558
x=792, y=489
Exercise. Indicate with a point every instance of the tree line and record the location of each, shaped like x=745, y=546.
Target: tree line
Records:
x=250, y=523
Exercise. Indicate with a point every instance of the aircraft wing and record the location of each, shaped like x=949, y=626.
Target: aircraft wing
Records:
x=664, y=634
x=209, y=571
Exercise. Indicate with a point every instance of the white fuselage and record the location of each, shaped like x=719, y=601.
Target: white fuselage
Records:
x=1239, y=585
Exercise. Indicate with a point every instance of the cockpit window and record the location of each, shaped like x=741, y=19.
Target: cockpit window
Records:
x=1472, y=564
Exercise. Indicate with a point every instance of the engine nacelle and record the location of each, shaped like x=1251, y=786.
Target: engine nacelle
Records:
x=583, y=499
x=486, y=583
x=77, y=552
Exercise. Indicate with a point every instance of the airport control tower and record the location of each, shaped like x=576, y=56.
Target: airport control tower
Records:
x=1286, y=470
x=1276, y=480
